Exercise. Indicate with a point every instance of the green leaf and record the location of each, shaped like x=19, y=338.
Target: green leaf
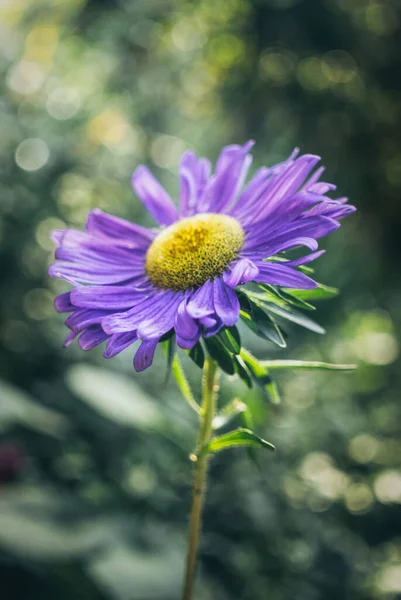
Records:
x=260, y=322
x=261, y=375
x=322, y=292
x=183, y=384
x=229, y=412
x=285, y=297
x=301, y=364
x=239, y=437
x=230, y=338
x=242, y=371
x=167, y=335
x=296, y=317
x=197, y=355
x=220, y=354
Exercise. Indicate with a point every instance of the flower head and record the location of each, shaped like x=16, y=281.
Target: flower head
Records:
x=131, y=283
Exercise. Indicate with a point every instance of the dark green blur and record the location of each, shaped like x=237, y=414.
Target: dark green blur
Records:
x=94, y=469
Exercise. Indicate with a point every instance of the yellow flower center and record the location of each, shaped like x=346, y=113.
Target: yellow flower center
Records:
x=193, y=250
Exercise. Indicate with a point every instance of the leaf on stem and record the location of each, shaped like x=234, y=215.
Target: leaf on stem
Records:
x=304, y=364
x=237, y=438
x=197, y=355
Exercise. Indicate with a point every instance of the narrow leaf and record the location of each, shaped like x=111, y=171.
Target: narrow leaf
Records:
x=229, y=337
x=301, y=364
x=197, y=355
x=322, y=292
x=170, y=351
x=239, y=437
x=220, y=354
x=295, y=317
x=259, y=322
x=261, y=375
x=242, y=371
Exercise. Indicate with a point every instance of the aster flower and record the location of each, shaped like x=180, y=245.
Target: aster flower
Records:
x=135, y=284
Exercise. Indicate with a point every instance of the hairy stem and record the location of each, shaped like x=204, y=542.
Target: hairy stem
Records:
x=208, y=409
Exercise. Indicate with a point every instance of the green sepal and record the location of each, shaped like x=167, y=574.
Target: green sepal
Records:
x=197, y=355
x=234, y=439
x=220, y=354
x=230, y=338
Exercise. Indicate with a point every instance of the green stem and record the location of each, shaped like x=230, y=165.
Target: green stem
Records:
x=208, y=409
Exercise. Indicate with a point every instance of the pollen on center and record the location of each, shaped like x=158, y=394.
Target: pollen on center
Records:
x=193, y=250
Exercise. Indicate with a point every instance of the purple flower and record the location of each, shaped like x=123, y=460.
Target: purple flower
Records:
x=131, y=283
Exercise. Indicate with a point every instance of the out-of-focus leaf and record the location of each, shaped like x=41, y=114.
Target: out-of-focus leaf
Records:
x=220, y=354
x=18, y=407
x=197, y=355
x=230, y=338
x=229, y=412
x=239, y=437
x=115, y=397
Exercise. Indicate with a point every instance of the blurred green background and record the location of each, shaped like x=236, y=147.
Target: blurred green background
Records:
x=94, y=470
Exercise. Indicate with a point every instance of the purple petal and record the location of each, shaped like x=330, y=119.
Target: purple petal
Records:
x=241, y=272
x=211, y=331
x=188, y=344
x=160, y=320
x=225, y=302
x=106, y=297
x=63, y=303
x=83, y=318
x=231, y=170
x=92, y=337
x=305, y=259
x=201, y=303
x=131, y=319
x=280, y=274
x=154, y=196
x=69, y=272
x=144, y=355
x=103, y=225
x=118, y=342
x=69, y=339
x=280, y=246
x=194, y=175
x=185, y=326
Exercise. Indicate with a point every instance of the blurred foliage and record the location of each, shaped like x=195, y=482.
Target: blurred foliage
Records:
x=94, y=466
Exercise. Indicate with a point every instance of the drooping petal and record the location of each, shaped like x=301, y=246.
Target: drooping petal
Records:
x=63, y=303
x=201, y=303
x=144, y=355
x=241, y=272
x=131, y=319
x=281, y=274
x=118, y=342
x=154, y=196
x=158, y=322
x=83, y=318
x=226, y=302
x=91, y=337
x=185, y=326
